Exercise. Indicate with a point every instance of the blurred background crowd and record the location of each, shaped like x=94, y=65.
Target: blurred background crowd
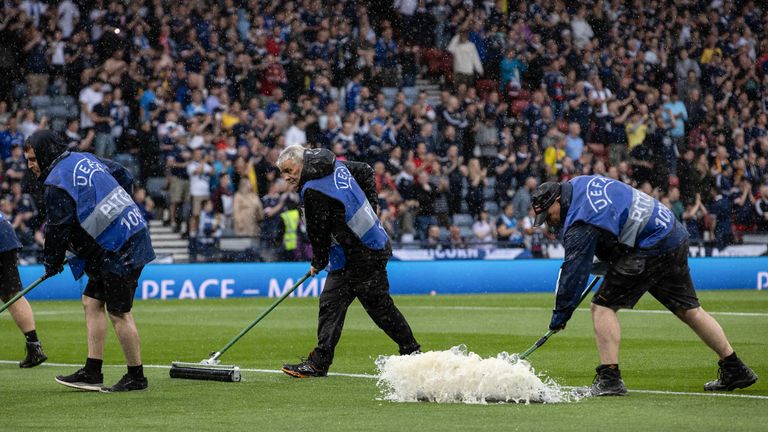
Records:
x=461, y=107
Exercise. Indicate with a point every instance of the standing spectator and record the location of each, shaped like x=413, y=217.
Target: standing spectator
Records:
x=272, y=203
x=508, y=228
x=574, y=144
x=483, y=230
x=521, y=202
x=69, y=15
x=761, y=209
x=466, y=60
x=477, y=181
x=693, y=219
x=89, y=97
x=104, y=143
x=9, y=138
x=208, y=233
x=247, y=211
x=37, y=62
x=425, y=195
x=512, y=70
x=199, y=171
x=675, y=115
x=223, y=202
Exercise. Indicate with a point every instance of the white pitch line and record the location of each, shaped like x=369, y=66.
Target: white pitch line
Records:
x=459, y=308
x=516, y=308
x=369, y=376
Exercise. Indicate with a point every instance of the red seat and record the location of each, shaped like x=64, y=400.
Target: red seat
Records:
x=485, y=86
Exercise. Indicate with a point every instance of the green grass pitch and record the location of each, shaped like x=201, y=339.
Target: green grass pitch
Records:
x=659, y=354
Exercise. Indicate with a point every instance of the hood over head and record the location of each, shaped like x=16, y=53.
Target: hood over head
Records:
x=318, y=163
x=48, y=147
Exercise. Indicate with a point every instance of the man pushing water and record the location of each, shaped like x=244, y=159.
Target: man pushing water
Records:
x=646, y=249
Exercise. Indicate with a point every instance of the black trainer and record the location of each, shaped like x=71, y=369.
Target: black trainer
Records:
x=608, y=382
x=305, y=369
x=82, y=380
x=412, y=349
x=127, y=383
x=732, y=375
x=35, y=355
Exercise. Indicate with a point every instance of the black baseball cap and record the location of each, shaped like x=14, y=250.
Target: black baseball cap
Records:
x=542, y=198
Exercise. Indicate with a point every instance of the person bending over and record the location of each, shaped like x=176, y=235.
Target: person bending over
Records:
x=644, y=249
x=348, y=240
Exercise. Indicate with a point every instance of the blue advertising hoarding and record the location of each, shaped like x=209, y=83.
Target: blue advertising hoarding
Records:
x=198, y=281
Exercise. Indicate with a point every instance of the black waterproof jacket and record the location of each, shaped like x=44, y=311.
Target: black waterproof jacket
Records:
x=325, y=216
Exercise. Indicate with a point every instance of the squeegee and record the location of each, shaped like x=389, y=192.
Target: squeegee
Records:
x=210, y=369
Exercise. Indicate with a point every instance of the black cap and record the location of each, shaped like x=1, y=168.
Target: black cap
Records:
x=542, y=198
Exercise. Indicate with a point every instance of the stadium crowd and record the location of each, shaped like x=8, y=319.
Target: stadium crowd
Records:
x=198, y=98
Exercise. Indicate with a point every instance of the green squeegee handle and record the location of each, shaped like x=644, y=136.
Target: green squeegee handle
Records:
x=548, y=334
x=21, y=293
x=260, y=317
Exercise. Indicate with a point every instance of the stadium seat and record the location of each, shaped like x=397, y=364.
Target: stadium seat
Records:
x=463, y=219
x=492, y=208
x=37, y=102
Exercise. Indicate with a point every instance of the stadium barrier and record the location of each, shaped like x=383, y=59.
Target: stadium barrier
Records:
x=197, y=281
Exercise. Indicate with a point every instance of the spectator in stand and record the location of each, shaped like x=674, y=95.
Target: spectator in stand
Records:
x=477, y=181
x=432, y=239
x=208, y=232
x=455, y=239
x=247, y=211
x=521, y=202
x=9, y=138
x=425, y=196
x=694, y=217
x=574, y=144
x=199, y=171
x=104, y=143
x=761, y=209
x=484, y=232
x=223, y=202
x=466, y=60
x=508, y=230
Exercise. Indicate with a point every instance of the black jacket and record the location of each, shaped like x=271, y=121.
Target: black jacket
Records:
x=63, y=230
x=325, y=216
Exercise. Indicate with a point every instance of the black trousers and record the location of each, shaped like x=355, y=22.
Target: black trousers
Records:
x=370, y=285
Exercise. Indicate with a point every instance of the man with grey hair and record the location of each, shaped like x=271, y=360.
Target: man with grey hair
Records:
x=340, y=207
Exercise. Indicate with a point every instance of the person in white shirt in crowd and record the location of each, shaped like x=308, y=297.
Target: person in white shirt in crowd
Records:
x=466, y=60
x=69, y=15
x=199, y=170
x=89, y=97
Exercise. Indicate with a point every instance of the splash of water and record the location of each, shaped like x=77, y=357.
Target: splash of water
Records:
x=459, y=376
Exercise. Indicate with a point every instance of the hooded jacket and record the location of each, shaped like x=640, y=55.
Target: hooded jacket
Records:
x=325, y=216
x=63, y=231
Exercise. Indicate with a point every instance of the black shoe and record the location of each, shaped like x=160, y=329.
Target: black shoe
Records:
x=413, y=349
x=305, y=369
x=82, y=380
x=608, y=382
x=731, y=376
x=127, y=383
x=35, y=355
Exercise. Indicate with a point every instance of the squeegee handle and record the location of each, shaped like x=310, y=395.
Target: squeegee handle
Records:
x=549, y=333
x=263, y=314
x=21, y=293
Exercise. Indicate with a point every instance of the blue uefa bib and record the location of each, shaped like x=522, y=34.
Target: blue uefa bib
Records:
x=358, y=213
x=634, y=217
x=104, y=209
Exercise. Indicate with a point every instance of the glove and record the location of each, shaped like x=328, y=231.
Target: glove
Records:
x=560, y=319
x=52, y=270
